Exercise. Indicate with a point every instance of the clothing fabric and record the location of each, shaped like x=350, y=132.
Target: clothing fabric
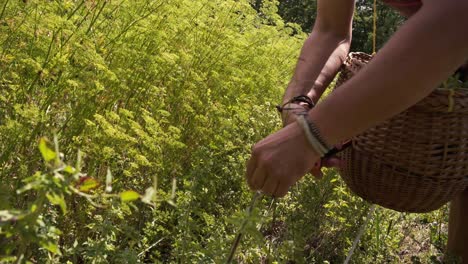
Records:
x=405, y=7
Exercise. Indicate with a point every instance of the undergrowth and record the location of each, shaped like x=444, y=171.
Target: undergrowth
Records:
x=151, y=108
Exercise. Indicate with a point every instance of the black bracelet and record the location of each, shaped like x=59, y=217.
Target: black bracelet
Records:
x=297, y=99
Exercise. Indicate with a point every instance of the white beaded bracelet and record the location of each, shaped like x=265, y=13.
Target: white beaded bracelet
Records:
x=311, y=138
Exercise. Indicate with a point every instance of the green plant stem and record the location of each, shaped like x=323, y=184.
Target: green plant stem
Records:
x=46, y=61
x=235, y=244
x=360, y=233
x=32, y=218
x=76, y=9
x=4, y=8
x=273, y=221
x=150, y=247
x=94, y=19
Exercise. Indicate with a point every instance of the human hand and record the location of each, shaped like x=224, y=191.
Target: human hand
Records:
x=280, y=160
x=289, y=115
x=327, y=162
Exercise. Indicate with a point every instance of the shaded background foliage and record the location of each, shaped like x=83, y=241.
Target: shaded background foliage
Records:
x=303, y=12
x=163, y=99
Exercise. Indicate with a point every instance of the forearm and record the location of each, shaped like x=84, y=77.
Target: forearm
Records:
x=320, y=58
x=330, y=70
x=425, y=51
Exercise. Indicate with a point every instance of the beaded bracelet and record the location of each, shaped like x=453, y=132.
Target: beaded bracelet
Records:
x=313, y=135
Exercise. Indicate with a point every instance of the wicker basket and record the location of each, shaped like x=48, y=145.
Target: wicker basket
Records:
x=416, y=161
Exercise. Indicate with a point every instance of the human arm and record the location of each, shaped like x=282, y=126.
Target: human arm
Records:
x=426, y=50
x=321, y=56
x=323, y=52
x=423, y=52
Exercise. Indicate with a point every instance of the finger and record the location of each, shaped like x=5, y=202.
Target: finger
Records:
x=281, y=190
x=332, y=162
x=317, y=172
x=318, y=164
x=317, y=169
x=251, y=168
x=270, y=186
x=285, y=118
x=258, y=179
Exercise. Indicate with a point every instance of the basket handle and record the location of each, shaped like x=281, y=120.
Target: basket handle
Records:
x=333, y=152
x=336, y=150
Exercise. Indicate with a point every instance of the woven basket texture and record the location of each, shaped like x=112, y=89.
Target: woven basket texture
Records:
x=416, y=161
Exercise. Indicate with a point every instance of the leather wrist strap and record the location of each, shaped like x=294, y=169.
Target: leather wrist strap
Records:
x=297, y=99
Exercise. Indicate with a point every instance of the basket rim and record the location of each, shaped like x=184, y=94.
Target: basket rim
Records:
x=349, y=56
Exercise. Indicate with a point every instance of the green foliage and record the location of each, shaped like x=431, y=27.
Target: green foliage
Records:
x=388, y=20
x=454, y=82
x=304, y=13
x=36, y=231
x=162, y=101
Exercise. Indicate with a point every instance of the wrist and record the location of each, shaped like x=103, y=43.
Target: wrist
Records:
x=291, y=110
x=325, y=126
x=314, y=95
x=297, y=105
x=313, y=135
x=311, y=89
x=316, y=91
x=297, y=87
x=303, y=145
x=301, y=100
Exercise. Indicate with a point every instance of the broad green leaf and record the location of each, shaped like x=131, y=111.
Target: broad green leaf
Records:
x=51, y=247
x=57, y=200
x=88, y=184
x=46, y=152
x=69, y=169
x=128, y=196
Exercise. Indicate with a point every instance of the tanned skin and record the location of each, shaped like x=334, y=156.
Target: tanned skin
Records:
x=426, y=50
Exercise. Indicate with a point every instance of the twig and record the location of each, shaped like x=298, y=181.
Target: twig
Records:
x=244, y=223
x=273, y=221
x=361, y=231
x=150, y=247
x=3, y=10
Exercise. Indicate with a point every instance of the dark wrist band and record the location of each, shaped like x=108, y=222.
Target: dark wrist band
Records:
x=297, y=99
